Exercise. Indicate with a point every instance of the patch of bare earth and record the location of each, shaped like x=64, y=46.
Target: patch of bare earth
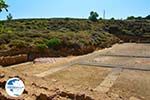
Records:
x=79, y=78
x=132, y=84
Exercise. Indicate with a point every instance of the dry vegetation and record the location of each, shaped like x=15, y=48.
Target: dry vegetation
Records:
x=63, y=37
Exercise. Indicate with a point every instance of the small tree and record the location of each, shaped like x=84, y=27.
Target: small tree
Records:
x=93, y=16
x=100, y=18
x=139, y=18
x=3, y=5
x=130, y=18
x=9, y=17
x=147, y=17
x=112, y=18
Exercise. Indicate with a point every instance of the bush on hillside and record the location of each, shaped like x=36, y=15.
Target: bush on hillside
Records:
x=114, y=29
x=41, y=46
x=3, y=38
x=3, y=47
x=53, y=42
x=18, y=44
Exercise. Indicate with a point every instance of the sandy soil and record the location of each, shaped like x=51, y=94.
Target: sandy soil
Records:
x=133, y=83
x=79, y=78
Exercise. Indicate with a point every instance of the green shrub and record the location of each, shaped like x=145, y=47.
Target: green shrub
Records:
x=41, y=46
x=38, y=41
x=4, y=38
x=127, y=32
x=93, y=16
x=100, y=18
x=147, y=17
x=53, y=42
x=3, y=47
x=112, y=18
x=130, y=18
x=67, y=19
x=3, y=5
x=115, y=29
x=18, y=44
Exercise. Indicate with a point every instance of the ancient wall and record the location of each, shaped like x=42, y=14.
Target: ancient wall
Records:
x=10, y=60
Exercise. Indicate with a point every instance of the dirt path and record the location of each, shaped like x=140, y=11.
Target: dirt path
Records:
x=51, y=71
x=109, y=81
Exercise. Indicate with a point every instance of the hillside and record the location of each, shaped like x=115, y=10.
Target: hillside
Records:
x=64, y=37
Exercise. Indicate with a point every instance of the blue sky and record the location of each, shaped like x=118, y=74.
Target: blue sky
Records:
x=76, y=8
